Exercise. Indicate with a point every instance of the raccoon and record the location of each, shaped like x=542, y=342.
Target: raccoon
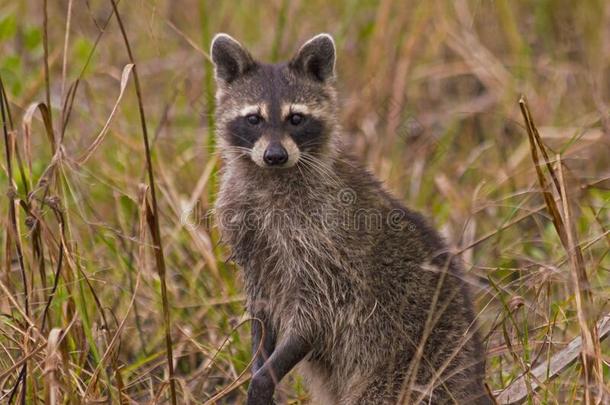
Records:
x=342, y=281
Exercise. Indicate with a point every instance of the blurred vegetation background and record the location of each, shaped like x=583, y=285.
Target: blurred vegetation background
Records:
x=429, y=96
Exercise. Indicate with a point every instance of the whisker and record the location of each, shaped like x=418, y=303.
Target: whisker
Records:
x=320, y=168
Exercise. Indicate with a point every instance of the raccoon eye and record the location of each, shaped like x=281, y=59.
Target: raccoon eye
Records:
x=254, y=119
x=295, y=119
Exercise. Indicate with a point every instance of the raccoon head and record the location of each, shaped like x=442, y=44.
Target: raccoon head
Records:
x=275, y=115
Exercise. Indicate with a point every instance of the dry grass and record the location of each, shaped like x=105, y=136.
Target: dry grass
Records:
x=114, y=287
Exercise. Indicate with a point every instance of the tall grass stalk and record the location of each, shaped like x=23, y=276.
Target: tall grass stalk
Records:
x=152, y=214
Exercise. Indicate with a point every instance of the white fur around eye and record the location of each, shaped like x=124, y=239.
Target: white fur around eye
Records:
x=293, y=108
x=259, y=109
x=249, y=110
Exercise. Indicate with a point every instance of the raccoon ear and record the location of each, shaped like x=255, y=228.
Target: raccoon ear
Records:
x=316, y=58
x=230, y=58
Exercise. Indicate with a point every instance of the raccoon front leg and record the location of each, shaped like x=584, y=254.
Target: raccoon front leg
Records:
x=261, y=352
x=288, y=354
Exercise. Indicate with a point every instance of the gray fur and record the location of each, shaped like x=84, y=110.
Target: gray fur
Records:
x=330, y=257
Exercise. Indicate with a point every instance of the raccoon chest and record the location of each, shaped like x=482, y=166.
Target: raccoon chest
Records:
x=284, y=253
x=270, y=234
x=287, y=252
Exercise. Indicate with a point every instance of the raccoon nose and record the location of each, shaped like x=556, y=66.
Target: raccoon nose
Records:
x=275, y=155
